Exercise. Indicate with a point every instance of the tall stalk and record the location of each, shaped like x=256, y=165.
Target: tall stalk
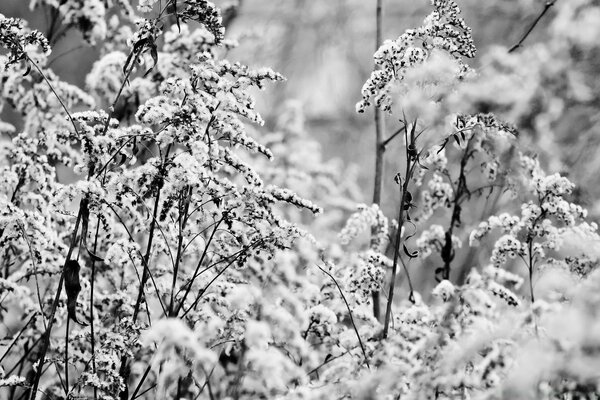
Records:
x=405, y=200
x=379, y=152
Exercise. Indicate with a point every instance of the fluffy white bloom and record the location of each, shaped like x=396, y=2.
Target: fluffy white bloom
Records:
x=257, y=335
x=146, y=5
x=444, y=290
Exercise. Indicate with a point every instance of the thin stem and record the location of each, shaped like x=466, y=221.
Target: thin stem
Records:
x=183, y=206
x=379, y=152
x=146, y=258
x=362, y=346
x=410, y=164
x=46, y=335
x=92, y=278
x=547, y=7
x=387, y=141
x=530, y=268
x=195, y=275
x=16, y=337
x=461, y=189
x=67, y=358
x=62, y=104
x=141, y=382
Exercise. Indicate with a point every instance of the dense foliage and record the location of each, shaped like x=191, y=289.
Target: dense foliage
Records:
x=158, y=241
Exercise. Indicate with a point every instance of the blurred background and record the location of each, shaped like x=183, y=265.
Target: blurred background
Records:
x=549, y=88
x=324, y=49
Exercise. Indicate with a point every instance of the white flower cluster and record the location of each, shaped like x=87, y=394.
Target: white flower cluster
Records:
x=433, y=239
x=444, y=290
x=365, y=218
x=439, y=194
x=88, y=16
x=443, y=29
x=369, y=275
x=541, y=225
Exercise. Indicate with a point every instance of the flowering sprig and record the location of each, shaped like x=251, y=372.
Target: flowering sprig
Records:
x=480, y=139
x=443, y=29
x=541, y=224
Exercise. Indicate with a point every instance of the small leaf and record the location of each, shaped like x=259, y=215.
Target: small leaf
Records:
x=443, y=145
x=398, y=178
x=414, y=254
x=408, y=200
x=123, y=158
x=27, y=70
x=94, y=256
x=72, y=287
x=154, y=55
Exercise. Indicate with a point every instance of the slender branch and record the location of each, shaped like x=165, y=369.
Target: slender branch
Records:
x=153, y=224
x=392, y=137
x=530, y=248
x=234, y=257
x=141, y=382
x=66, y=362
x=379, y=152
x=184, y=205
x=461, y=189
x=547, y=7
x=62, y=104
x=195, y=275
x=16, y=337
x=411, y=162
x=362, y=346
x=92, y=278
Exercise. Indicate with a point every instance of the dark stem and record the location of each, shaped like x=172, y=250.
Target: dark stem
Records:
x=362, y=346
x=67, y=358
x=46, y=335
x=530, y=268
x=379, y=152
x=448, y=252
x=410, y=163
x=196, y=274
x=547, y=6
x=184, y=205
x=125, y=370
x=92, y=277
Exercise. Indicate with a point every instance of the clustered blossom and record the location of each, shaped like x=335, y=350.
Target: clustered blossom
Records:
x=189, y=277
x=15, y=37
x=444, y=290
x=368, y=275
x=88, y=16
x=438, y=195
x=542, y=223
x=443, y=29
x=365, y=218
x=433, y=239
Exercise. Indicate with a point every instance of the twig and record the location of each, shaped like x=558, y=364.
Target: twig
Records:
x=362, y=346
x=16, y=337
x=547, y=6
x=195, y=275
x=392, y=136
